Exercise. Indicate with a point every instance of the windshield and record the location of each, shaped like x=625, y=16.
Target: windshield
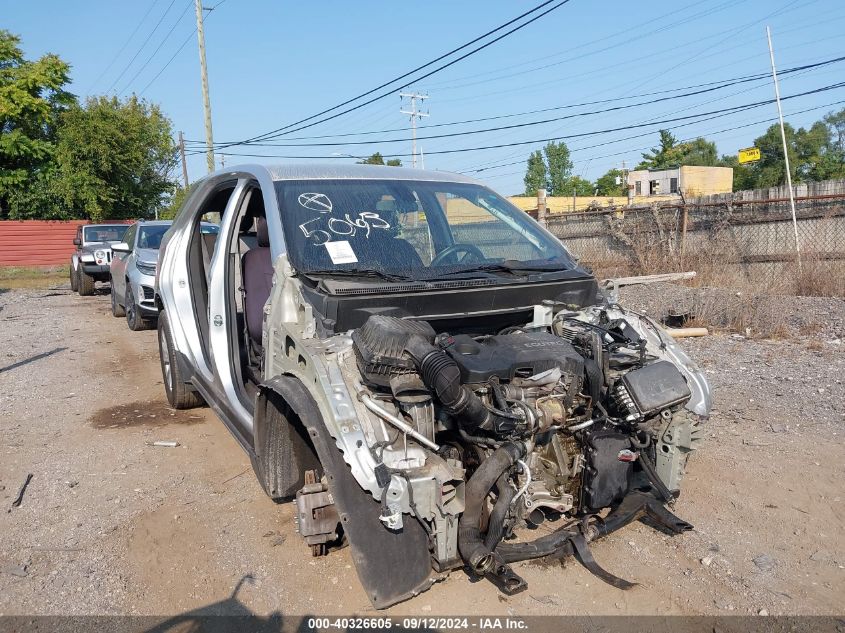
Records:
x=410, y=229
x=104, y=232
x=150, y=235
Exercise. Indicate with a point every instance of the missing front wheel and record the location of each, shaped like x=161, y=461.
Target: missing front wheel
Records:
x=317, y=520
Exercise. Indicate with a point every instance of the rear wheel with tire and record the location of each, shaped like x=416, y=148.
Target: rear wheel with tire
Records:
x=84, y=282
x=116, y=308
x=133, y=313
x=179, y=395
x=74, y=281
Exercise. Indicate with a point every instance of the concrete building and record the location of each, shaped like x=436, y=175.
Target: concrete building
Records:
x=676, y=181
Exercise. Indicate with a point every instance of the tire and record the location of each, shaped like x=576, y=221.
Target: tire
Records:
x=179, y=395
x=133, y=313
x=116, y=309
x=84, y=283
x=74, y=281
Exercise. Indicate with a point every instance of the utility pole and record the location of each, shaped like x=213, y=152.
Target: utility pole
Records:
x=206, y=100
x=184, y=164
x=785, y=149
x=541, y=206
x=413, y=114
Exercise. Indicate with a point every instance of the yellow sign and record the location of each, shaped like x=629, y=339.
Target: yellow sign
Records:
x=749, y=155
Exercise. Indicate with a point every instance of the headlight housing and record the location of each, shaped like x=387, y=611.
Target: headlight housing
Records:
x=146, y=268
x=100, y=254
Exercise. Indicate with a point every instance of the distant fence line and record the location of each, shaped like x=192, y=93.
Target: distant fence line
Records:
x=37, y=242
x=748, y=229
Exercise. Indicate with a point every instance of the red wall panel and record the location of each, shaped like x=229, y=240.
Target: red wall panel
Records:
x=37, y=242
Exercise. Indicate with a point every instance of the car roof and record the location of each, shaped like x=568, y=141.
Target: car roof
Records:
x=294, y=171
x=155, y=222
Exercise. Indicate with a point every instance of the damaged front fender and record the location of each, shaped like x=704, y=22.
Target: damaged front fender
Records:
x=392, y=565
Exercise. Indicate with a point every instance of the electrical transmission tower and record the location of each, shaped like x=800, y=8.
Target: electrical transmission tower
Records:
x=413, y=115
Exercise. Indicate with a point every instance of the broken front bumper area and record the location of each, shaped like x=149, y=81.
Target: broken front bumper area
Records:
x=567, y=541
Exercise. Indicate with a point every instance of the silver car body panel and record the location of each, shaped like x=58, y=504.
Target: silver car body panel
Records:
x=325, y=366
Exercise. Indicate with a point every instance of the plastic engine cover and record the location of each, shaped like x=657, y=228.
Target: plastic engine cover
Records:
x=512, y=356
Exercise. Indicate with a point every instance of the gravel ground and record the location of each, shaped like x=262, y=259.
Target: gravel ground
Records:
x=112, y=525
x=781, y=315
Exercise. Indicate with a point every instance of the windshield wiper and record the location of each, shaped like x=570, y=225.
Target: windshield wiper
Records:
x=513, y=267
x=359, y=272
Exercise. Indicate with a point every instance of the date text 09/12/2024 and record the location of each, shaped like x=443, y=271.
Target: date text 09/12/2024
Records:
x=425, y=623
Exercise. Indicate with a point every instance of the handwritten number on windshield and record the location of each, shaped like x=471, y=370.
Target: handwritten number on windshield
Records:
x=346, y=226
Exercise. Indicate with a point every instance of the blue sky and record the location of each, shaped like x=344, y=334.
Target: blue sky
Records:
x=273, y=62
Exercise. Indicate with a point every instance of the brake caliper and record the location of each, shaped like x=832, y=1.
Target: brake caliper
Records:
x=316, y=515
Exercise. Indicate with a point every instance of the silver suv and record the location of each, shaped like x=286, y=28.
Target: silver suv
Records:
x=133, y=269
x=423, y=369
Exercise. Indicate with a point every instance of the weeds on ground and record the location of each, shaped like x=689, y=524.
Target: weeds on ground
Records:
x=725, y=296
x=32, y=276
x=820, y=278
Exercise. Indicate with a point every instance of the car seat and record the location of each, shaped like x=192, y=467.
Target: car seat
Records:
x=257, y=266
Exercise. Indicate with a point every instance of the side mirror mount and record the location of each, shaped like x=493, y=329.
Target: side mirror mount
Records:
x=77, y=241
x=121, y=247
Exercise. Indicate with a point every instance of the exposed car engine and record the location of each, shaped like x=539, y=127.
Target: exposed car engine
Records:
x=556, y=420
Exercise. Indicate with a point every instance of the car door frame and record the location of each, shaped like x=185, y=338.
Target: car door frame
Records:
x=214, y=381
x=223, y=325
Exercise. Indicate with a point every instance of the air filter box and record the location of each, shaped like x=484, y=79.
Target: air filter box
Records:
x=379, y=345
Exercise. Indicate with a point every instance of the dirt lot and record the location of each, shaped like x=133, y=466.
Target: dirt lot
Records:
x=113, y=525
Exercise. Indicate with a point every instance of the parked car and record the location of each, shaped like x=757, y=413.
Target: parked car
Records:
x=133, y=269
x=423, y=369
x=92, y=257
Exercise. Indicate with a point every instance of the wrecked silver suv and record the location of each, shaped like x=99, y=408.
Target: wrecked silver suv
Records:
x=423, y=369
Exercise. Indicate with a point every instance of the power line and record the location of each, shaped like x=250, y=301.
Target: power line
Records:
x=798, y=72
x=507, y=127
x=726, y=82
x=616, y=44
x=288, y=127
x=140, y=48
x=712, y=114
x=178, y=50
x=169, y=61
x=713, y=86
x=122, y=48
x=158, y=48
x=642, y=149
x=615, y=68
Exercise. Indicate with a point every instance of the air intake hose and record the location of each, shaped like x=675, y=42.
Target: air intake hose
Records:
x=470, y=542
x=441, y=374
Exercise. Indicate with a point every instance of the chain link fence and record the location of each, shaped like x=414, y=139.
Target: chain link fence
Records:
x=730, y=240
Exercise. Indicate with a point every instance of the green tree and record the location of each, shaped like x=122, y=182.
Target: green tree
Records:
x=835, y=155
x=115, y=158
x=580, y=186
x=560, y=168
x=32, y=96
x=656, y=158
x=177, y=199
x=744, y=178
x=536, y=174
x=608, y=186
x=378, y=159
x=670, y=153
x=550, y=169
x=770, y=170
